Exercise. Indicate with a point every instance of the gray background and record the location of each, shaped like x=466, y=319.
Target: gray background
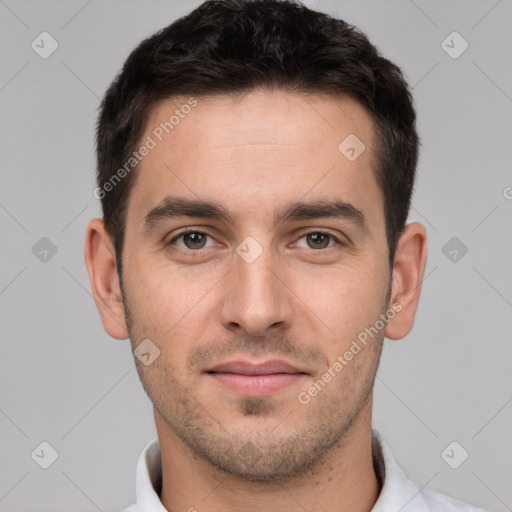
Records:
x=65, y=381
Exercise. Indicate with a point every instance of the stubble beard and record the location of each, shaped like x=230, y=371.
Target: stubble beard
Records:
x=256, y=455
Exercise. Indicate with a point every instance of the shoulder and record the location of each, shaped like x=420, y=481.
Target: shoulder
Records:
x=400, y=493
x=434, y=500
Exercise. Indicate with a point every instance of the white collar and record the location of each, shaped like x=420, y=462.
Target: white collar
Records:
x=398, y=493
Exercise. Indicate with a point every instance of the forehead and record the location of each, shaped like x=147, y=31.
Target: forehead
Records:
x=261, y=117
x=257, y=150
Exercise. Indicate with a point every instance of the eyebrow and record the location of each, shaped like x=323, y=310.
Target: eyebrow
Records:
x=172, y=207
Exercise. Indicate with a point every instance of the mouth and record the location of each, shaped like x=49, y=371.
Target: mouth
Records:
x=256, y=379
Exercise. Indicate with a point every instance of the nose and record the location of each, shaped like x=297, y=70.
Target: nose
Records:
x=256, y=300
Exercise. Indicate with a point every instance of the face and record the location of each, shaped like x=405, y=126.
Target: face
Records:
x=255, y=254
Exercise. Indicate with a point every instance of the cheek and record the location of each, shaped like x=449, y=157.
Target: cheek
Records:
x=346, y=301
x=167, y=305
x=153, y=289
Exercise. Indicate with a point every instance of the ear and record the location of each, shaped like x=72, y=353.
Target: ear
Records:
x=102, y=268
x=408, y=269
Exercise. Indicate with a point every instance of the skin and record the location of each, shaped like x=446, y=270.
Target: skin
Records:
x=297, y=301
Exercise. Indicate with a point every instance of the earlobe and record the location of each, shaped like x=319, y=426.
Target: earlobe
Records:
x=408, y=270
x=102, y=269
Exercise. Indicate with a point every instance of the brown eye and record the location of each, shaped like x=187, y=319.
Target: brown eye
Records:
x=194, y=240
x=191, y=240
x=319, y=240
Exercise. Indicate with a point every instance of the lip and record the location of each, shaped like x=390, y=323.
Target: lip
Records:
x=255, y=379
x=247, y=368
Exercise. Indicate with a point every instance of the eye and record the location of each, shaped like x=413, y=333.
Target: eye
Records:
x=192, y=240
x=319, y=240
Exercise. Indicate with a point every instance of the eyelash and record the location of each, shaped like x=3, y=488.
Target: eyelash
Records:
x=187, y=231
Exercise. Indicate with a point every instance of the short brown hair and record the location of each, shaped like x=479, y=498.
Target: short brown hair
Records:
x=233, y=46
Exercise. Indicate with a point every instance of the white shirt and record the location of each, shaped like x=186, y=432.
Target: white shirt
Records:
x=398, y=493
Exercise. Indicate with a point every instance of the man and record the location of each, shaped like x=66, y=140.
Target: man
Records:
x=256, y=162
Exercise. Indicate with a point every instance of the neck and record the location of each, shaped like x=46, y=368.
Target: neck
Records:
x=344, y=479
